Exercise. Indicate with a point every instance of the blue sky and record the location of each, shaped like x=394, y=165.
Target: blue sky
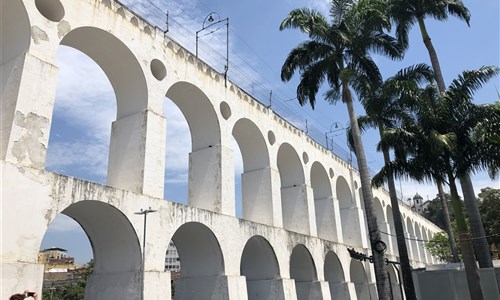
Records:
x=85, y=104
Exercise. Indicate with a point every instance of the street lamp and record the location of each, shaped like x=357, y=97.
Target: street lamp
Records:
x=210, y=20
x=332, y=130
x=144, y=212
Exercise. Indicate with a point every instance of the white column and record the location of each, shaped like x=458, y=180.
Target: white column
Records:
x=257, y=196
x=326, y=221
x=137, y=153
x=296, y=209
x=27, y=103
x=211, y=179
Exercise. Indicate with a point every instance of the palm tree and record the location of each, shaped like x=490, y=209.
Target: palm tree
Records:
x=338, y=53
x=405, y=14
x=384, y=105
x=451, y=155
x=464, y=116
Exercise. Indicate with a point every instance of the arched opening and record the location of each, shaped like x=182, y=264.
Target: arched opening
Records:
x=115, y=249
x=177, y=149
x=382, y=225
x=411, y=240
x=260, y=267
x=420, y=243
x=303, y=271
x=205, y=163
x=334, y=274
x=84, y=108
x=349, y=214
x=359, y=279
x=293, y=190
x=396, y=289
x=323, y=203
x=201, y=260
x=88, y=111
x=392, y=230
x=256, y=177
x=428, y=255
x=15, y=31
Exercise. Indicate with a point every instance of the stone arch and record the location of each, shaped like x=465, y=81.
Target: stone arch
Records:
x=412, y=243
x=116, y=250
x=260, y=267
x=121, y=67
x=420, y=243
x=323, y=203
x=303, y=271
x=381, y=220
x=256, y=177
x=199, y=113
x=293, y=190
x=15, y=31
x=118, y=62
x=394, y=284
x=392, y=230
x=334, y=275
x=349, y=214
x=205, y=159
x=359, y=279
x=201, y=259
x=428, y=255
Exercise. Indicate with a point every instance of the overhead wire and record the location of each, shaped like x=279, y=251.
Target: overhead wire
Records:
x=280, y=100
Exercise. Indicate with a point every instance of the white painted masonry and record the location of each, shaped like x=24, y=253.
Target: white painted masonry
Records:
x=301, y=204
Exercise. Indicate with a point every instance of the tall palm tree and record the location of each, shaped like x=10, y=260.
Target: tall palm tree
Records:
x=338, y=53
x=454, y=154
x=405, y=14
x=464, y=116
x=385, y=109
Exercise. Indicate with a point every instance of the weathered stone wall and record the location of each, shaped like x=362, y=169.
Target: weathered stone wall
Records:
x=295, y=192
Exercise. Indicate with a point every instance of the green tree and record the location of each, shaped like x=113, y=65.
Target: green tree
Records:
x=490, y=208
x=438, y=246
x=405, y=14
x=384, y=106
x=339, y=53
x=450, y=154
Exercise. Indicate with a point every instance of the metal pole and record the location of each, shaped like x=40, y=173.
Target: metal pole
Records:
x=143, y=256
x=144, y=212
x=197, y=44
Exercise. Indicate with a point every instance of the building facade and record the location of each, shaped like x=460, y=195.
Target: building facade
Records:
x=302, y=205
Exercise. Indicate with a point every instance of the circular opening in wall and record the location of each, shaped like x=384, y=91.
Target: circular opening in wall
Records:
x=331, y=173
x=158, y=69
x=305, y=157
x=50, y=9
x=355, y=185
x=271, y=137
x=225, y=110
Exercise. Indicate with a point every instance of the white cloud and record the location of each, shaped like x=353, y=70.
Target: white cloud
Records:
x=63, y=223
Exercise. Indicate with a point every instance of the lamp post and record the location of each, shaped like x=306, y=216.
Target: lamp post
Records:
x=144, y=212
x=336, y=124
x=210, y=20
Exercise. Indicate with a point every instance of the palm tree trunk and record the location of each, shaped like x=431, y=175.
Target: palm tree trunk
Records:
x=432, y=54
x=449, y=231
x=477, y=229
x=400, y=235
x=481, y=247
x=471, y=269
x=379, y=264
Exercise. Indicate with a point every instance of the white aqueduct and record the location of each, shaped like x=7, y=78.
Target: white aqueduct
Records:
x=301, y=203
